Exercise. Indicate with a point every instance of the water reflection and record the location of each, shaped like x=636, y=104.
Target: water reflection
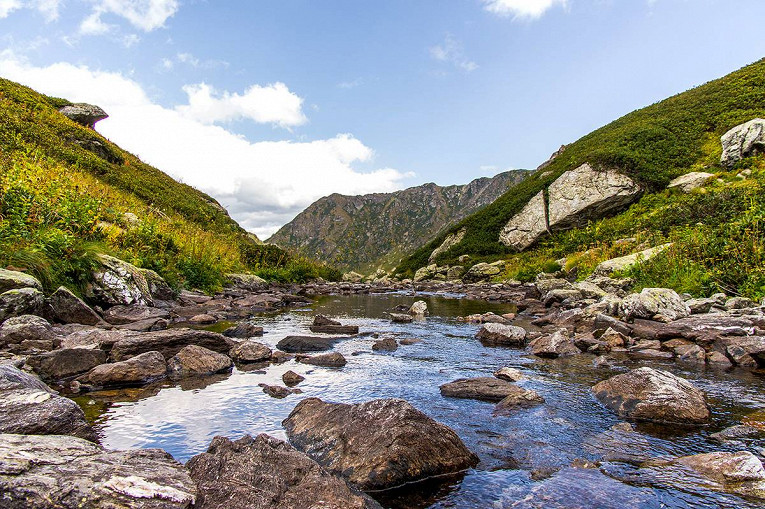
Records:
x=526, y=457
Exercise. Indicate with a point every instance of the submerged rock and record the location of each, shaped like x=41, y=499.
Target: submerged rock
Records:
x=484, y=388
x=509, y=374
x=328, y=360
x=28, y=406
x=518, y=398
x=300, y=344
x=60, y=471
x=263, y=472
x=377, y=445
x=647, y=394
x=739, y=472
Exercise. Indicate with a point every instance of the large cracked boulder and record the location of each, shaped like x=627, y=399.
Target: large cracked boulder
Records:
x=168, y=342
x=54, y=472
x=28, y=406
x=574, y=198
x=659, y=304
x=68, y=308
x=527, y=226
x=377, y=445
x=647, y=394
x=139, y=370
x=585, y=193
x=742, y=141
x=263, y=472
x=118, y=282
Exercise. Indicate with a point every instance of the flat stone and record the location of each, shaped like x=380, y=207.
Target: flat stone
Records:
x=139, y=370
x=61, y=471
x=518, y=398
x=243, y=330
x=121, y=315
x=690, y=181
x=300, y=344
x=66, y=363
x=509, y=374
x=330, y=360
x=168, y=343
x=481, y=388
x=496, y=334
x=28, y=406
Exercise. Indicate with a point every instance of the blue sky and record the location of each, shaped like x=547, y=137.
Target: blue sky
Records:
x=270, y=105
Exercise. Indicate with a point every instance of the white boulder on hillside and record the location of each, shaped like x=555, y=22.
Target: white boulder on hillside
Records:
x=585, y=193
x=659, y=304
x=527, y=226
x=742, y=141
x=572, y=199
x=690, y=181
x=118, y=282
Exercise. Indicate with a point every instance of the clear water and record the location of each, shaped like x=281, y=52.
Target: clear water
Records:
x=525, y=457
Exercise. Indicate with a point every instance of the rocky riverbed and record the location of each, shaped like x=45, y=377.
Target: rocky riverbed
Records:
x=550, y=394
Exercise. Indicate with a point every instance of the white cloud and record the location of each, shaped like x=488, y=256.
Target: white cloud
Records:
x=146, y=15
x=271, y=104
x=262, y=184
x=529, y=9
x=351, y=84
x=451, y=51
x=48, y=8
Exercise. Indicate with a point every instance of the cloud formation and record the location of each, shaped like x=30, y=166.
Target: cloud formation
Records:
x=263, y=184
x=529, y=9
x=451, y=51
x=146, y=15
x=270, y=104
x=48, y=8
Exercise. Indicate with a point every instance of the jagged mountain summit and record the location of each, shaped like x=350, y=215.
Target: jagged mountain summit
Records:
x=375, y=230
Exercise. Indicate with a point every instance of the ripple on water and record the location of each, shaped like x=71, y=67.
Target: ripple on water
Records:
x=525, y=457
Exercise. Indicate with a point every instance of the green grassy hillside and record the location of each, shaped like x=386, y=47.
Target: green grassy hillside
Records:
x=717, y=230
x=67, y=193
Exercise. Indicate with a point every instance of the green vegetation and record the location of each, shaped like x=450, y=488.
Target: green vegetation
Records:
x=717, y=231
x=67, y=194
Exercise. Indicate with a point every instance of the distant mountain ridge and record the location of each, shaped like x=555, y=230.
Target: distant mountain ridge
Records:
x=366, y=232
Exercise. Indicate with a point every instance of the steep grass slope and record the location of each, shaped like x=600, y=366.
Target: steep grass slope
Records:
x=652, y=145
x=67, y=193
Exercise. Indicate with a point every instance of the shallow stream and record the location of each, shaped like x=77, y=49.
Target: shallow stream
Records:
x=526, y=457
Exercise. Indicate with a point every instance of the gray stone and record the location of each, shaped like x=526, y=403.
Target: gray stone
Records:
x=328, y=360
x=244, y=330
x=193, y=360
x=25, y=328
x=585, y=193
x=558, y=344
x=299, y=344
x=250, y=351
x=377, y=445
x=84, y=114
x=139, y=370
x=736, y=433
x=68, y=308
x=518, y=398
x=65, y=363
x=482, y=388
x=121, y=315
x=263, y=472
x=14, y=280
x=449, y=242
x=24, y=301
x=647, y=394
x=509, y=374
x=400, y=318
x=690, y=181
x=168, y=342
x=28, y=406
x=67, y=472
x=290, y=378
x=659, y=304
x=738, y=472
x=497, y=334
x=608, y=267
x=118, y=282
x=742, y=141
x=419, y=308
x=158, y=287
x=527, y=226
